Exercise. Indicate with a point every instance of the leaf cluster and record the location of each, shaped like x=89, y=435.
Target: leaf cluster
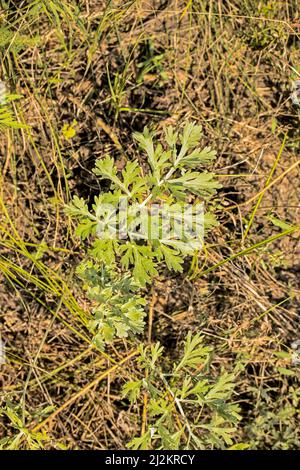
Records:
x=7, y=119
x=172, y=177
x=178, y=399
x=118, y=311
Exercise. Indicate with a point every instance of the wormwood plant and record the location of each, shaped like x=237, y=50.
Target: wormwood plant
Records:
x=170, y=177
x=11, y=40
x=119, y=310
x=23, y=437
x=187, y=408
x=169, y=180
x=7, y=119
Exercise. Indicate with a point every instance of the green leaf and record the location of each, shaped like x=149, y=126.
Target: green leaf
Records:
x=279, y=223
x=104, y=250
x=140, y=443
x=219, y=434
x=159, y=407
x=186, y=247
x=210, y=220
x=158, y=159
x=239, y=446
x=284, y=371
x=200, y=388
x=85, y=228
x=198, y=157
x=282, y=354
x=190, y=137
x=106, y=168
x=171, y=257
x=222, y=389
x=141, y=258
x=149, y=355
x=132, y=390
x=201, y=184
x=145, y=141
x=171, y=136
x=168, y=441
x=77, y=208
x=132, y=178
x=7, y=119
x=108, y=333
x=194, y=352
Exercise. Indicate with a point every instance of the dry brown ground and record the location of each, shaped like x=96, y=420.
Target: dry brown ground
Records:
x=227, y=65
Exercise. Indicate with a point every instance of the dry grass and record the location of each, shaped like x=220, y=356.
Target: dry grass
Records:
x=115, y=67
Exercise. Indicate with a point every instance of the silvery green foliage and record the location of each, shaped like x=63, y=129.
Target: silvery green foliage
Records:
x=118, y=310
x=172, y=176
x=187, y=407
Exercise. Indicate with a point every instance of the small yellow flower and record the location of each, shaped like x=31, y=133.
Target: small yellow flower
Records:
x=69, y=130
